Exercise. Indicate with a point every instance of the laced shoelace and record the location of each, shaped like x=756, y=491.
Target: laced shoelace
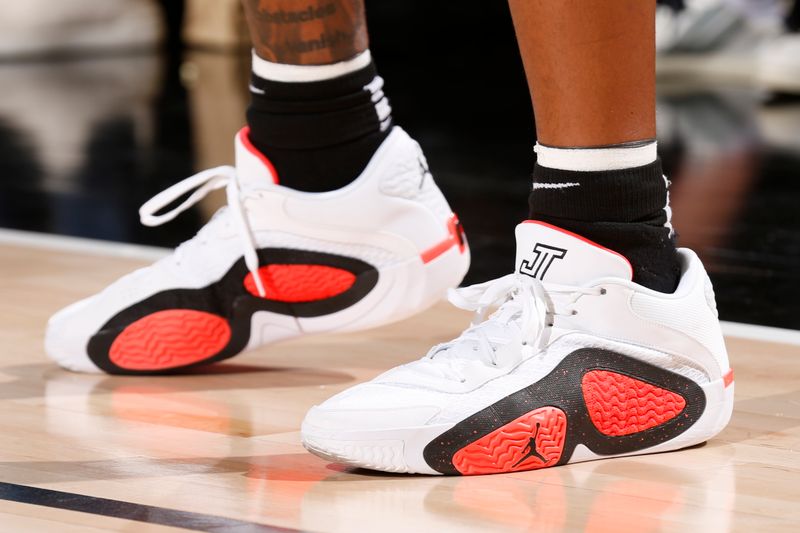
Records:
x=524, y=302
x=201, y=184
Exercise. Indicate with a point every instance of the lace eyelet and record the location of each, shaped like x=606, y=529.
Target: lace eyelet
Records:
x=524, y=343
x=574, y=312
x=463, y=381
x=603, y=292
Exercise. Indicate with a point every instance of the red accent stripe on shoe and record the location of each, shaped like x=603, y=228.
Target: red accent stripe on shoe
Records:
x=244, y=137
x=534, y=440
x=169, y=339
x=621, y=405
x=455, y=237
x=727, y=379
x=300, y=283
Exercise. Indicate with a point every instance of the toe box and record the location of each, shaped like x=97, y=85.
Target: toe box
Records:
x=67, y=337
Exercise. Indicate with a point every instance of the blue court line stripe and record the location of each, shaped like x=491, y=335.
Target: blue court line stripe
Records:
x=131, y=511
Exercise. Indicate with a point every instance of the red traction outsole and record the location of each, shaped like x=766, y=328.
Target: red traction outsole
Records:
x=300, y=283
x=620, y=405
x=534, y=440
x=170, y=339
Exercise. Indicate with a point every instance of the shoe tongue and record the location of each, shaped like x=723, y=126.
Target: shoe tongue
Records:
x=554, y=255
x=253, y=169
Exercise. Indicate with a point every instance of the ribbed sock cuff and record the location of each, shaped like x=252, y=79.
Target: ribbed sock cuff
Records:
x=268, y=70
x=616, y=157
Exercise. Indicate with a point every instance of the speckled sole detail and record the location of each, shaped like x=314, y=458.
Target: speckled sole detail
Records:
x=534, y=440
x=621, y=405
x=609, y=403
x=182, y=328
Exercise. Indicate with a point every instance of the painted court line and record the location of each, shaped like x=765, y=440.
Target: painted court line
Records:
x=130, y=511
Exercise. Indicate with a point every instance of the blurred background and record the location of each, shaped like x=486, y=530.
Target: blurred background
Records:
x=103, y=103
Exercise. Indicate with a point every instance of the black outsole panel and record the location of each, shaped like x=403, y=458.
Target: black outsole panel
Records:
x=561, y=388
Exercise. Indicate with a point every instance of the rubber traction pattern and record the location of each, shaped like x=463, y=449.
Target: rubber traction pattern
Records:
x=168, y=339
x=534, y=440
x=620, y=405
x=300, y=283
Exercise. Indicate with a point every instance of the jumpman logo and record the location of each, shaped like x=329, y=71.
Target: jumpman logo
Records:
x=532, y=451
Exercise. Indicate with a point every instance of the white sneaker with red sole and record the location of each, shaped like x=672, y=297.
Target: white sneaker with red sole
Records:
x=274, y=264
x=577, y=363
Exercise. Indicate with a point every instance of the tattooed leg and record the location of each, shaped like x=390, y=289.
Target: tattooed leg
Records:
x=307, y=32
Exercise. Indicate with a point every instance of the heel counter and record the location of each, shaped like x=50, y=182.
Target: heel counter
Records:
x=690, y=314
x=410, y=177
x=721, y=351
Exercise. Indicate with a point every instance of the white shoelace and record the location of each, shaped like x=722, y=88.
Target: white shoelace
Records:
x=203, y=183
x=524, y=303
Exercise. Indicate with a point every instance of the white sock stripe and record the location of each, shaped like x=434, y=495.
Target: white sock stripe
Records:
x=555, y=185
x=256, y=90
x=383, y=109
x=596, y=159
x=375, y=85
x=306, y=73
x=668, y=209
x=377, y=97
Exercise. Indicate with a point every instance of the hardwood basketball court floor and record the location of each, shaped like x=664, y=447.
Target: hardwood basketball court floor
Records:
x=219, y=449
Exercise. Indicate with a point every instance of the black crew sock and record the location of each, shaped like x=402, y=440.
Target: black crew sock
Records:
x=320, y=135
x=623, y=210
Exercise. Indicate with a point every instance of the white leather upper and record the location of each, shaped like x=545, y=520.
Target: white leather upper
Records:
x=360, y=220
x=679, y=332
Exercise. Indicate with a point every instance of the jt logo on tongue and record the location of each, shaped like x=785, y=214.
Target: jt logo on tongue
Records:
x=545, y=255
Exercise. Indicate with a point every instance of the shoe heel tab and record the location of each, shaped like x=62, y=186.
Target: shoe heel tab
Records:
x=692, y=271
x=692, y=265
x=253, y=167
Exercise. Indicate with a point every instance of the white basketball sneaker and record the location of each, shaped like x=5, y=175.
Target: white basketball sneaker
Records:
x=275, y=263
x=578, y=363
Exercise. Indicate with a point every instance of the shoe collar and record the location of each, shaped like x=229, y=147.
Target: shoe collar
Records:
x=254, y=170
x=554, y=255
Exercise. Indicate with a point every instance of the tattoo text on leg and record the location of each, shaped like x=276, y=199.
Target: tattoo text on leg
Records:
x=307, y=32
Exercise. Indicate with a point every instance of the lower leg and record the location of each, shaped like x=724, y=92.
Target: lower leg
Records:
x=317, y=111
x=302, y=32
x=591, y=70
